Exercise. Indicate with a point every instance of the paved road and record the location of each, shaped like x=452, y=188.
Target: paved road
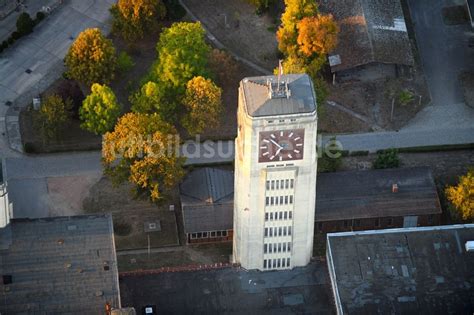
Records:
x=444, y=53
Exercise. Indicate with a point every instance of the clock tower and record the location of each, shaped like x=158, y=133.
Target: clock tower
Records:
x=275, y=172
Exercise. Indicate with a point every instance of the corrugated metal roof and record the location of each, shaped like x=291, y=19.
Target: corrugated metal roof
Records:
x=207, y=200
x=208, y=184
x=301, y=98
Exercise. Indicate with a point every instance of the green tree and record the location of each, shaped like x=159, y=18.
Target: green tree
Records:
x=25, y=24
x=387, y=159
x=203, y=104
x=100, y=110
x=147, y=99
x=461, y=196
x=124, y=62
x=91, y=58
x=182, y=54
x=133, y=18
x=53, y=116
x=142, y=149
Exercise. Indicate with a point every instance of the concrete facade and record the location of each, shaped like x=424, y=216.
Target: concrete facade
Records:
x=274, y=235
x=5, y=206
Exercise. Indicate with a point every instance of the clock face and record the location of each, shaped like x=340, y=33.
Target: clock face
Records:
x=281, y=145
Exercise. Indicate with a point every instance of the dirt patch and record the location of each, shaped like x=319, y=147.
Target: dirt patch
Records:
x=136, y=214
x=237, y=26
x=66, y=194
x=374, y=99
x=333, y=120
x=71, y=138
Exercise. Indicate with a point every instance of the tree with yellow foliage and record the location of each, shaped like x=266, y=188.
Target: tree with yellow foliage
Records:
x=133, y=18
x=317, y=35
x=91, y=58
x=461, y=196
x=143, y=150
x=203, y=105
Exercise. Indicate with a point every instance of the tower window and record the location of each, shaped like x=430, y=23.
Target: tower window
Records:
x=277, y=184
x=265, y=248
x=267, y=185
x=271, y=232
x=279, y=247
x=270, y=248
x=267, y=201
x=287, y=183
x=284, y=247
x=286, y=200
x=290, y=214
x=284, y=231
x=286, y=215
x=271, y=216
x=289, y=230
x=280, y=231
x=281, y=215
x=291, y=199
x=288, y=262
x=266, y=216
x=264, y=263
x=273, y=184
x=271, y=201
x=289, y=246
x=266, y=232
x=292, y=183
x=281, y=200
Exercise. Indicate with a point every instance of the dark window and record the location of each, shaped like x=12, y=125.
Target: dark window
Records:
x=283, y=262
x=199, y=235
x=286, y=200
x=290, y=215
x=277, y=184
x=287, y=183
x=430, y=219
x=271, y=232
x=377, y=222
x=266, y=216
x=280, y=231
x=288, y=262
x=273, y=184
x=286, y=215
x=264, y=248
x=281, y=215
x=281, y=200
x=267, y=201
x=291, y=199
x=204, y=234
x=357, y=222
x=289, y=246
x=224, y=233
x=284, y=247
x=282, y=184
x=292, y=183
x=271, y=201
x=271, y=215
x=284, y=231
x=267, y=186
x=279, y=247
x=390, y=221
x=289, y=230
x=266, y=232
x=264, y=263
x=279, y=262
x=347, y=223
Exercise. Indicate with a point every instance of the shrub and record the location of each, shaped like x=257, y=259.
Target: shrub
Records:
x=461, y=197
x=24, y=24
x=4, y=44
x=405, y=97
x=330, y=163
x=16, y=35
x=69, y=89
x=29, y=147
x=53, y=116
x=124, y=62
x=10, y=40
x=40, y=16
x=387, y=159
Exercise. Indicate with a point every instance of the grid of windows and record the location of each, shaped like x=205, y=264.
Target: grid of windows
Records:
x=210, y=234
x=278, y=200
x=275, y=231
x=276, y=263
x=278, y=215
x=277, y=184
x=271, y=248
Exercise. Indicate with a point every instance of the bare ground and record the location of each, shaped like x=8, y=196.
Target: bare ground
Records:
x=130, y=215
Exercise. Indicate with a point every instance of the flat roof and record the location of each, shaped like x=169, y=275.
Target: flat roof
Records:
x=368, y=194
x=60, y=265
x=258, y=103
x=400, y=271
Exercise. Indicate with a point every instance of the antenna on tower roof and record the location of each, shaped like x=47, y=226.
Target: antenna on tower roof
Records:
x=280, y=73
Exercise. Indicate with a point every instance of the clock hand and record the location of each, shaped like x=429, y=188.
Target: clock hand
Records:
x=279, y=146
x=278, y=151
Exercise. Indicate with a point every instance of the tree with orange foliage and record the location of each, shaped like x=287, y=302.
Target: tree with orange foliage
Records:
x=91, y=58
x=143, y=150
x=317, y=35
x=132, y=18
